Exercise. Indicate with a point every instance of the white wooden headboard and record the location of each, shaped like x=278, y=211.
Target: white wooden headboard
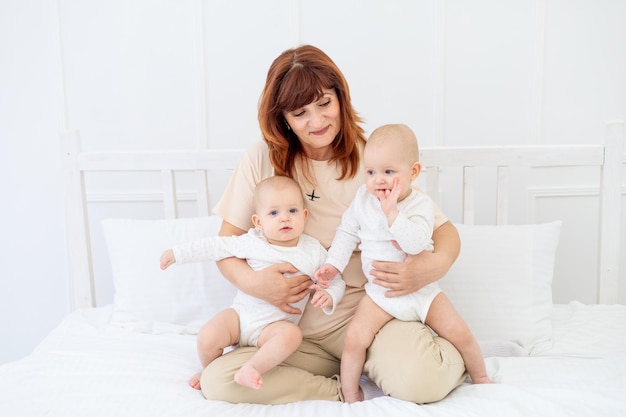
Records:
x=468, y=161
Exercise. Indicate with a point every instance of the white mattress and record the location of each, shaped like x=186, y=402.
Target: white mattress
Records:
x=86, y=367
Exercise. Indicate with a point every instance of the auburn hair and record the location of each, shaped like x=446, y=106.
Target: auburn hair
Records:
x=296, y=78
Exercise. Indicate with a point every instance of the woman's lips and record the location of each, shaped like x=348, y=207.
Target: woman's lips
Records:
x=321, y=132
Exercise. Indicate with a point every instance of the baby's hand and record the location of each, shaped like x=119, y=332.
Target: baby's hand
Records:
x=389, y=201
x=167, y=259
x=324, y=274
x=321, y=298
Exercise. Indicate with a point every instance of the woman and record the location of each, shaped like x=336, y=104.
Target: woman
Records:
x=312, y=133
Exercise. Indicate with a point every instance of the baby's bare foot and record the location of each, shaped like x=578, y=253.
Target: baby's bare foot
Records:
x=194, y=381
x=249, y=377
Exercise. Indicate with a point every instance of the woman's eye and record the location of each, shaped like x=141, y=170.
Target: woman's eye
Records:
x=298, y=113
x=325, y=104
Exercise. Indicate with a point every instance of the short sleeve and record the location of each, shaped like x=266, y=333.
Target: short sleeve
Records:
x=440, y=218
x=236, y=204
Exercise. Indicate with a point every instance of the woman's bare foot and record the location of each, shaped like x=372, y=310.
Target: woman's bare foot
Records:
x=194, y=381
x=249, y=377
x=482, y=380
x=353, y=396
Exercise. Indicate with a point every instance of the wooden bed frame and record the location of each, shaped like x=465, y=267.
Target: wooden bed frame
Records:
x=608, y=158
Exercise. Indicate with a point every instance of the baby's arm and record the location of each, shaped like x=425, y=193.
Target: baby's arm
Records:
x=199, y=250
x=329, y=298
x=212, y=248
x=413, y=229
x=329, y=286
x=324, y=274
x=345, y=241
x=321, y=298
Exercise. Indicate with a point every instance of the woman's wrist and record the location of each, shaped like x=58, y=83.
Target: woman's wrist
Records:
x=442, y=262
x=447, y=246
x=237, y=272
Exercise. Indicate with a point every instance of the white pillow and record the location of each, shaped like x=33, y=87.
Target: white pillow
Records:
x=501, y=283
x=178, y=300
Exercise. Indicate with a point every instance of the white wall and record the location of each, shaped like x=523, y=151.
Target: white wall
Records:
x=33, y=282
x=188, y=73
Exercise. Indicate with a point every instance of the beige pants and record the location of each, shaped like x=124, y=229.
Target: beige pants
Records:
x=404, y=360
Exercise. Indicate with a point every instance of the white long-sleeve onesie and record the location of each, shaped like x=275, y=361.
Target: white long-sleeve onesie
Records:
x=254, y=313
x=364, y=222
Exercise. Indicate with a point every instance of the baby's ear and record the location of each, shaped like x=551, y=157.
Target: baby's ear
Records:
x=256, y=221
x=416, y=169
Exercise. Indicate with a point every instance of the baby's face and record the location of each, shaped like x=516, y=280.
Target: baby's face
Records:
x=385, y=164
x=281, y=215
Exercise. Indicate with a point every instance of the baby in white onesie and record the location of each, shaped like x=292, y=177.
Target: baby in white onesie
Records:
x=277, y=238
x=389, y=220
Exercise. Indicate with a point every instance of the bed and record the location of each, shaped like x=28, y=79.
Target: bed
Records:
x=132, y=356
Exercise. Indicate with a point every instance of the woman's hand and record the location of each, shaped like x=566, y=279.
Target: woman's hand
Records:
x=270, y=284
x=417, y=271
x=402, y=278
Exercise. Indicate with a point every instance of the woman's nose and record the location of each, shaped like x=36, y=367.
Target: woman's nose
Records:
x=316, y=118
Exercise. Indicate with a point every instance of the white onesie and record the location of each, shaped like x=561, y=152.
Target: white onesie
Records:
x=364, y=222
x=255, y=314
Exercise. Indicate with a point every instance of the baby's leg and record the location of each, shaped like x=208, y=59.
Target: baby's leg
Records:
x=218, y=333
x=277, y=341
x=368, y=319
x=446, y=322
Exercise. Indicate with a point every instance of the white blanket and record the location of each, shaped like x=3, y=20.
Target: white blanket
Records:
x=87, y=367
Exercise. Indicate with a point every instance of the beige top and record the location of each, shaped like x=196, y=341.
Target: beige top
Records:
x=326, y=201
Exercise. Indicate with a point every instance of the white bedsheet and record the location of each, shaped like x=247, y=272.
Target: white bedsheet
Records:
x=86, y=367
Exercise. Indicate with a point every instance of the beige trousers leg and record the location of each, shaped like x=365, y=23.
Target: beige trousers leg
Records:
x=408, y=363
x=308, y=374
x=404, y=360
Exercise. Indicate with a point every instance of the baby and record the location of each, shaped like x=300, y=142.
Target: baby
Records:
x=387, y=214
x=277, y=237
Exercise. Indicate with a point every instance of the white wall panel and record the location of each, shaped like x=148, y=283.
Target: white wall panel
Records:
x=241, y=41
x=572, y=261
x=489, y=71
x=585, y=63
x=130, y=73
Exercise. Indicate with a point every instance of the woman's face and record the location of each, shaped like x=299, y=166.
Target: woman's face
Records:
x=316, y=125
